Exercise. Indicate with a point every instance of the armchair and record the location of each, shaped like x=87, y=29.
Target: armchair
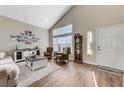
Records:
x=49, y=52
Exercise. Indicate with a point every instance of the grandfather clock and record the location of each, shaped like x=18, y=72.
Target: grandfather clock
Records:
x=78, y=48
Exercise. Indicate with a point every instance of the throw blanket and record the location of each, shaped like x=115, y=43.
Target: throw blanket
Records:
x=8, y=65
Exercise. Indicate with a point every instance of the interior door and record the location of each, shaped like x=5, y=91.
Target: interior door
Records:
x=110, y=47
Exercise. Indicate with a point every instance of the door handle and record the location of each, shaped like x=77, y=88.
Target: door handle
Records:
x=99, y=48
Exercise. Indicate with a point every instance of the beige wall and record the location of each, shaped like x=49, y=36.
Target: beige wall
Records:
x=9, y=26
x=88, y=18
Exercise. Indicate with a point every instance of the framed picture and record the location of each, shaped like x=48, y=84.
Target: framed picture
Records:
x=27, y=37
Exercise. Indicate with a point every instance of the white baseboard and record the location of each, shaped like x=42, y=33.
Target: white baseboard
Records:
x=90, y=62
x=110, y=70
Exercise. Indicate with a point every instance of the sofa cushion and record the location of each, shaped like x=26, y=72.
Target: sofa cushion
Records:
x=2, y=54
x=6, y=60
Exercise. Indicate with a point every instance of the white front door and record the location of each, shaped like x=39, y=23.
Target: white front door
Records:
x=110, y=47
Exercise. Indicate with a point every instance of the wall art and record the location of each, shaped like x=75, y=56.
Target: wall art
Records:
x=26, y=37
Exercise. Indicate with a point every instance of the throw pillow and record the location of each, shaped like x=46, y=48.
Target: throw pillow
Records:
x=2, y=54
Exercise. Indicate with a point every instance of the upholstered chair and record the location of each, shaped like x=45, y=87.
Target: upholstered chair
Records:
x=49, y=52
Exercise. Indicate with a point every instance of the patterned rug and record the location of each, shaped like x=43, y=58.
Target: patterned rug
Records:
x=28, y=77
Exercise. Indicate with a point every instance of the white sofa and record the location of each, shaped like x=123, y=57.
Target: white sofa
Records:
x=9, y=72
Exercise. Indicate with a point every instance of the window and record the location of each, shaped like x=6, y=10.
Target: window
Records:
x=62, y=37
x=89, y=42
x=63, y=30
x=60, y=42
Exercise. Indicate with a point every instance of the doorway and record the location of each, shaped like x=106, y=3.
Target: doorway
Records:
x=110, y=47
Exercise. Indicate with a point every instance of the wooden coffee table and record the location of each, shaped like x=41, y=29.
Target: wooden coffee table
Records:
x=37, y=62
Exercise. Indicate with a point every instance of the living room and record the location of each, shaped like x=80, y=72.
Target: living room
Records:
x=61, y=43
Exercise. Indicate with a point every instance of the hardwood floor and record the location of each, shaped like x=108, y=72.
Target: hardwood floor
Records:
x=79, y=75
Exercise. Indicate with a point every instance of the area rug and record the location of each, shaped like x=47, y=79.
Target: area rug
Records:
x=28, y=77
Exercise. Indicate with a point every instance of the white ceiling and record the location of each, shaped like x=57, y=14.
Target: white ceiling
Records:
x=44, y=16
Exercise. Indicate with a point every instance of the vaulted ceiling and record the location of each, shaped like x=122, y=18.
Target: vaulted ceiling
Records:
x=44, y=16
